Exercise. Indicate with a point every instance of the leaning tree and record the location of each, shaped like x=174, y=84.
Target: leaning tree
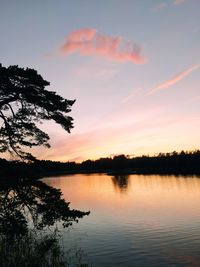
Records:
x=24, y=103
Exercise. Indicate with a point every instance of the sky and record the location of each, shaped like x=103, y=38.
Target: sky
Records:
x=133, y=67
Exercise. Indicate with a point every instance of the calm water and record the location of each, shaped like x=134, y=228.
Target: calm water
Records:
x=135, y=220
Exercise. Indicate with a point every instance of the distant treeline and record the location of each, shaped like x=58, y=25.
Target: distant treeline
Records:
x=183, y=162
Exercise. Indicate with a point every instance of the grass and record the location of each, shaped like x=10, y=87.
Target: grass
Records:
x=38, y=250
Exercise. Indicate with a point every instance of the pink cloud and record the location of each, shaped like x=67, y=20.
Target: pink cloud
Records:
x=88, y=42
x=174, y=80
x=112, y=139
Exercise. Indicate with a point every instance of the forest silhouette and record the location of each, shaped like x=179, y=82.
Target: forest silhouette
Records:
x=163, y=163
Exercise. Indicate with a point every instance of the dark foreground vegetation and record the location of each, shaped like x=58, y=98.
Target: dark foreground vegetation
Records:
x=29, y=212
x=168, y=163
x=42, y=250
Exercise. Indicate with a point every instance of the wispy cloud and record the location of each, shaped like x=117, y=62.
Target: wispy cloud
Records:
x=174, y=80
x=131, y=95
x=90, y=43
x=117, y=140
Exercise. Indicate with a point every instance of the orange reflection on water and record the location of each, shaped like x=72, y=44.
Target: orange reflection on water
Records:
x=169, y=199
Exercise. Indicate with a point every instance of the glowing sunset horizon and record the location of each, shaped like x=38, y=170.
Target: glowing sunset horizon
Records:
x=133, y=68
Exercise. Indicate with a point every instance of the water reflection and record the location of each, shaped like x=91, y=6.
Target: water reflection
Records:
x=33, y=204
x=120, y=183
x=28, y=210
x=139, y=220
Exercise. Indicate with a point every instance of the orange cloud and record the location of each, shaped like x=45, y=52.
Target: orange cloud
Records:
x=88, y=42
x=174, y=80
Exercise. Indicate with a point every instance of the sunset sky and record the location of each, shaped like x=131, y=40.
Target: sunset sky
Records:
x=133, y=67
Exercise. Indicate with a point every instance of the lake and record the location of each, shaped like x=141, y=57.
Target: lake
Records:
x=135, y=220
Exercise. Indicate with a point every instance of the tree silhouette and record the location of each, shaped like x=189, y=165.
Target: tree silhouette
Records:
x=24, y=103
